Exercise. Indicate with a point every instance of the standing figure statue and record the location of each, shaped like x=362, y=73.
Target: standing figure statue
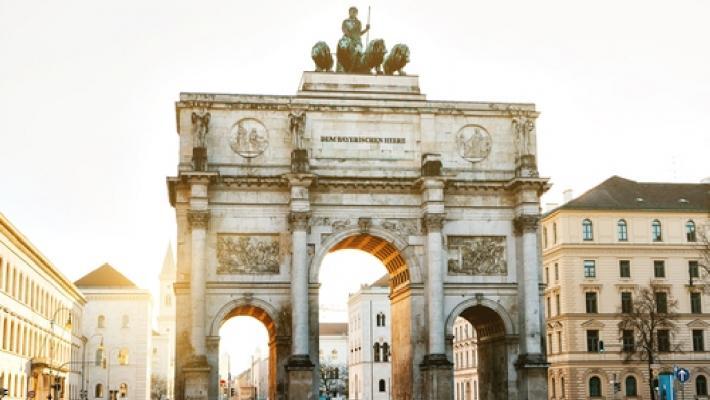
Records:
x=350, y=48
x=297, y=126
x=523, y=127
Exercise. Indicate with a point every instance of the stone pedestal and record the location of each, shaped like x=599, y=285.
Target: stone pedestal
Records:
x=532, y=372
x=199, y=158
x=300, y=378
x=197, y=378
x=438, y=375
x=299, y=161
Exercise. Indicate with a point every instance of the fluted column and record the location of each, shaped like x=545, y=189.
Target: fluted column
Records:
x=198, y=220
x=299, y=283
x=526, y=225
x=435, y=273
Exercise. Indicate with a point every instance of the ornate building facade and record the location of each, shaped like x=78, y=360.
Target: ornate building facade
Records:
x=465, y=361
x=370, y=342
x=117, y=323
x=599, y=250
x=40, y=323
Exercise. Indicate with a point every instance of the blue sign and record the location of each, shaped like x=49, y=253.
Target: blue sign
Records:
x=683, y=375
x=665, y=386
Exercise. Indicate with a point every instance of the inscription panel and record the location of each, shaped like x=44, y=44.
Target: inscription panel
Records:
x=477, y=255
x=383, y=140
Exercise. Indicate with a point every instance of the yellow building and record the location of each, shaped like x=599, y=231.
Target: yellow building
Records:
x=598, y=249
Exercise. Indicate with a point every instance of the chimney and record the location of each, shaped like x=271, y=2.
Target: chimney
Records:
x=567, y=195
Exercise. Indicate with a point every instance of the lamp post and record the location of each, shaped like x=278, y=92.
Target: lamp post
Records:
x=67, y=325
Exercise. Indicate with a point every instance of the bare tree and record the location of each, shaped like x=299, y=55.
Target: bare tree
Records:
x=703, y=236
x=651, y=321
x=333, y=378
x=158, y=387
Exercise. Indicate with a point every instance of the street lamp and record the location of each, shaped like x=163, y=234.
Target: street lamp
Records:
x=68, y=326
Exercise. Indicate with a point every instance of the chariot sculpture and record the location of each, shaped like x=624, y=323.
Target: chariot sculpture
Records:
x=351, y=56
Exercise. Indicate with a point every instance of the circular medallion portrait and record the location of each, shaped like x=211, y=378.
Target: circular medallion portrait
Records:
x=248, y=137
x=474, y=143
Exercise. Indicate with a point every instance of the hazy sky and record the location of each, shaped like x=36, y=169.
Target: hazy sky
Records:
x=87, y=92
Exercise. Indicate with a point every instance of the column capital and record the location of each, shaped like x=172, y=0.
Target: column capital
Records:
x=298, y=220
x=433, y=222
x=526, y=223
x=198, y=219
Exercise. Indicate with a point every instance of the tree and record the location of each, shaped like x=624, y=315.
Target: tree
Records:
x=158, y=387
x=703, y=235
x=650, y=320
x=333, y=378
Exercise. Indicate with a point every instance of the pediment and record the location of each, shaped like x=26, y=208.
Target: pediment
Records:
x=698, y=323
x=592, y=324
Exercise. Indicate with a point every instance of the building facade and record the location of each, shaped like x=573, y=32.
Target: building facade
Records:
x=333, y=358
x=370, y=342
x=163, y=356
x=465, y=361
x=40, y=323
x=117, y=323
x=599, y=251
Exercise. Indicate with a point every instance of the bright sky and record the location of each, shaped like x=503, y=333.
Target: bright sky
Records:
x=87, y=92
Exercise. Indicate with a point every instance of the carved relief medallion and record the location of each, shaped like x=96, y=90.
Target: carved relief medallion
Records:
x=474, y=143
x=248, y=254
x=248, y=137
x=477, y=255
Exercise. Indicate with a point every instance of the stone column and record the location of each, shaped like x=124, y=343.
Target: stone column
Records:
x=300, y=368
x=436, y=368
x=531, y=362
x=198, y=223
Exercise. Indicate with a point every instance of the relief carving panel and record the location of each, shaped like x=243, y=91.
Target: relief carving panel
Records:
x=248, y=254
x=477, y=255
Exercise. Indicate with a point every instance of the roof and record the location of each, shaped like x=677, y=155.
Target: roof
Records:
x=105, y=276
x=333, y=328
x=617, y=193
x=384, y=281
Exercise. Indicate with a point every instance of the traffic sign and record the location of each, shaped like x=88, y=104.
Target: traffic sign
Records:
x=683, y=375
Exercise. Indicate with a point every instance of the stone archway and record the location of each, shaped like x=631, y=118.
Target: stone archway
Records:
x=279, y=344
x=496, y=348
x=403, y=270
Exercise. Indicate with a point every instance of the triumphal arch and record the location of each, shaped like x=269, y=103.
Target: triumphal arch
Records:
x=446, y=194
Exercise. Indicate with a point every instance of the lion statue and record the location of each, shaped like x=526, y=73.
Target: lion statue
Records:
x=374, y=54
x=397, y=58
x=321, y=57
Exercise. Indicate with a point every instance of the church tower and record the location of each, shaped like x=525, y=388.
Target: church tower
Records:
x=164, y=338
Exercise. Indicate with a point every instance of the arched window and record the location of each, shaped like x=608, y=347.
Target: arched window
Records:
x=123, y=356
x=595, y=387
x=334, y=355
x=587, y=232
x=630, y=384
x=701, y=386
x=124, y=321
x=101, y=323
x=376, y=349
x=656, y=231
x=99, y=357
x=622, y=231
x=123, y=390
x=385, y=352
x=383, y=319
x=690, y=231
x=552, y=387
x=99, y=391
x=383, y=385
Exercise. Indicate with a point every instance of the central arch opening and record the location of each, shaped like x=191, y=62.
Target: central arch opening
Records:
x=480, y=355
x=360, y=321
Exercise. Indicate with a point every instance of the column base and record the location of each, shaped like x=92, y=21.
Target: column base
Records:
x=197, y=377
x=300, y=377
x=532, y=374
x=438, y=376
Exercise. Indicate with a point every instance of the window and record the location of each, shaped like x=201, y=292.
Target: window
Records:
x=690, y=231
x=625, y=268
x=626, y=302
x=562, y=386
x=590, y=269
x=693, y=270
x=123, y=356
x=99, y=359
x=622, y=233
x=593, y=341
x=549, y=343
x=544, y=237
x=630, y=384
x=659, y=268
x=587, y=232
x=701, y=386
x=559, y=342
x=661, y=302
x=334, y=355
x=385, y=352
x=557, y=272
x=591, y=302
x=627, y=340
x=101, y=323
x=557, y=304
x=554, y=232
x=595, y=387
x=552, y=386
x=549, y=308
x=376, y=349
x=695, y=303
x=656, y=231
x=124, y=321
x=663, y=339
x=698, y=340
x=547, y=275
x=383, y=385
x=99, y=391
x=123, y=390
